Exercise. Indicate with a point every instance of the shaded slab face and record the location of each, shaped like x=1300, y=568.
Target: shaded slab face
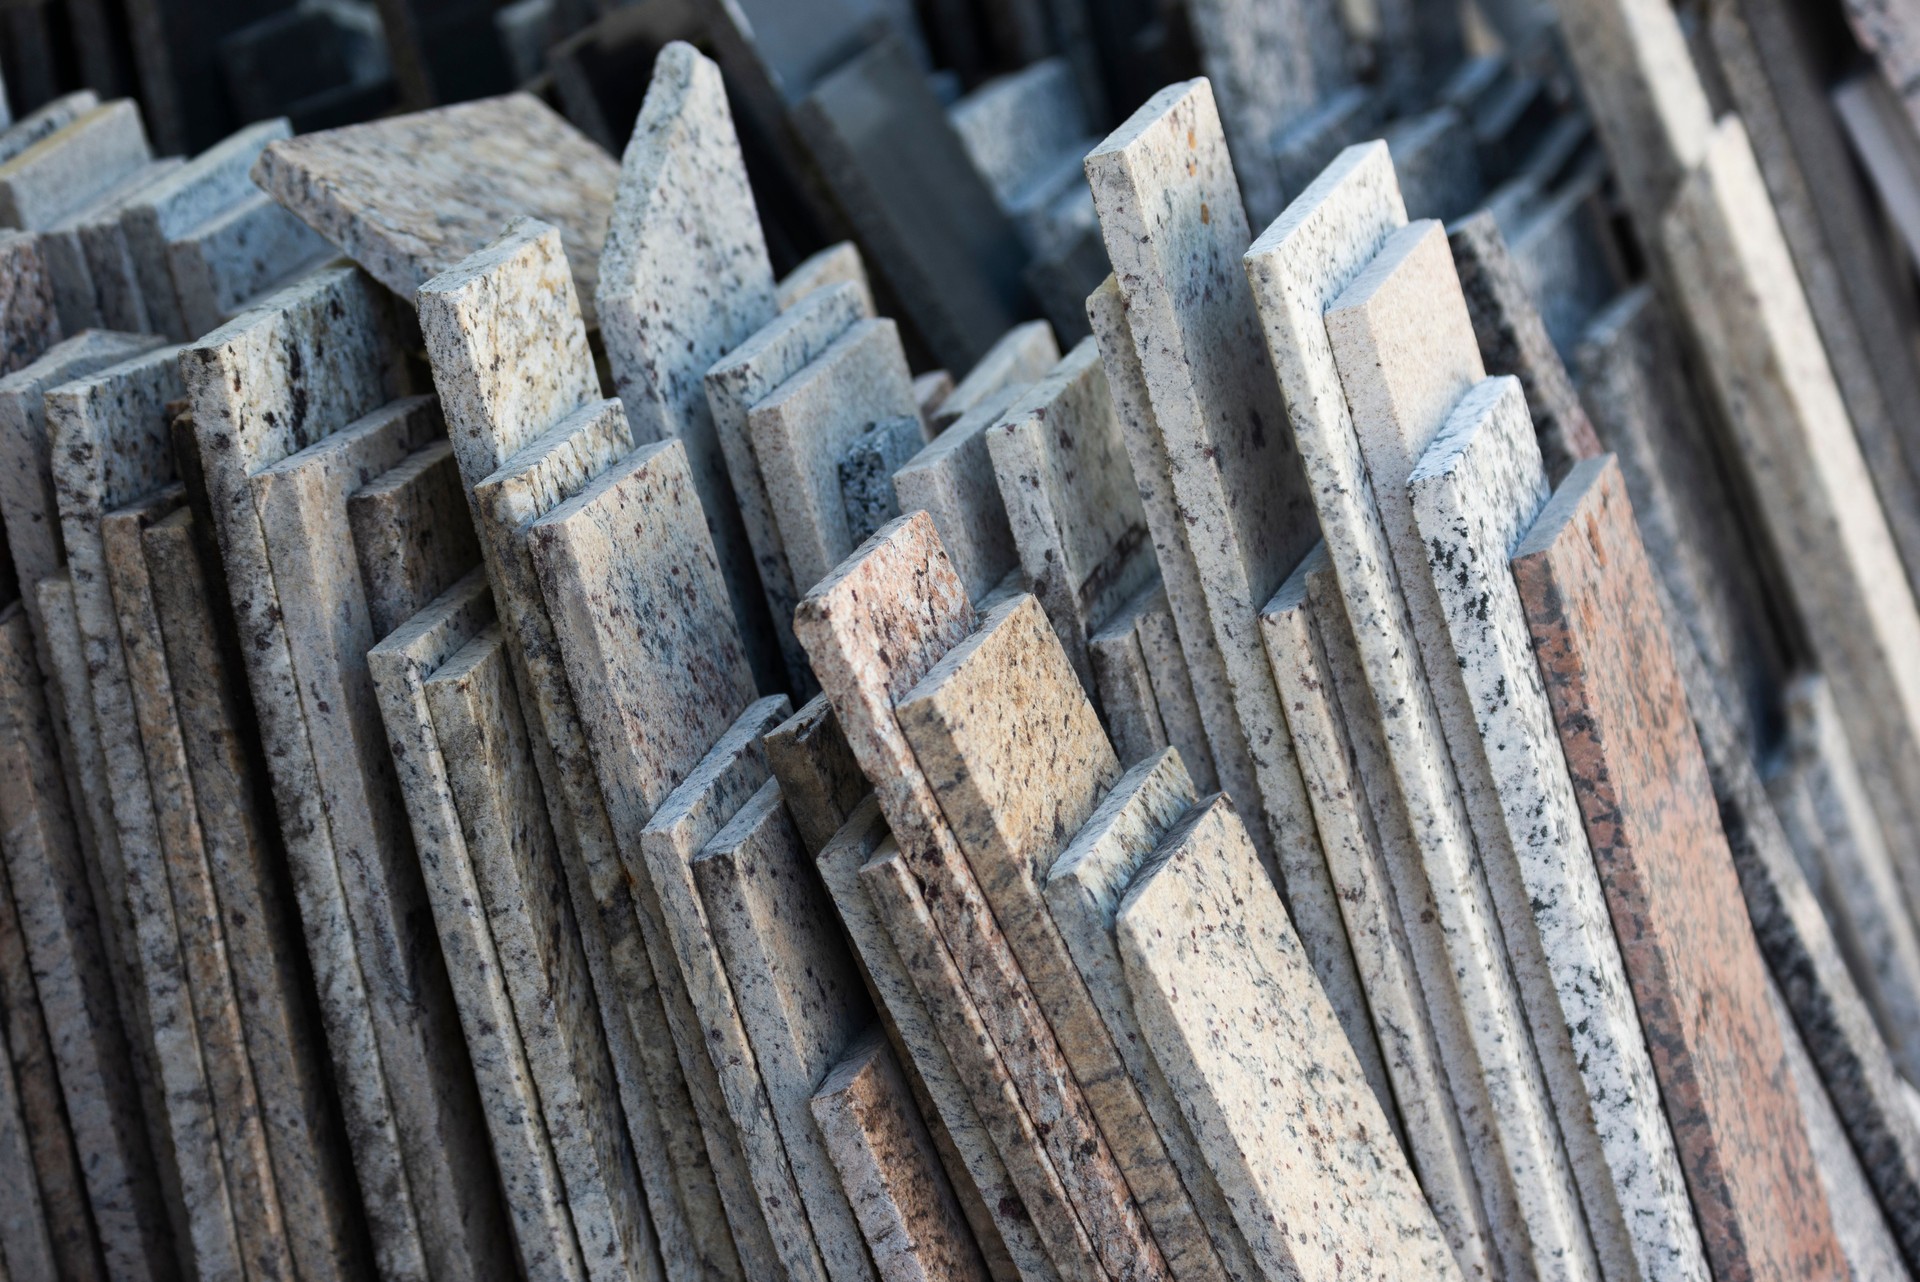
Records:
x=222, y=264
x=838, y=264
x=890, y=1171
x=866, y=473
x=73, y=166
x=407, y=198
x=1018, y=357
x=819, y=779
x=1319, y=1178
x=411, y=534
x=1697, y=975
x=28, y=318
x=952, y=478
x=1125, y=685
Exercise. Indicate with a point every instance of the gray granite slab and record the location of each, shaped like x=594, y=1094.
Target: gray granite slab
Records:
x=1313, y=142
x=1439, y=170
x=25, y=1248
x=102, y=234
x=1125, y=684
x=46, y=119
x=78, y=296
x=497, y=793
x=890, y=1170
x=684, y=279
x=873, y=629
x=837, y=264
x=1020, y=356
x=800, y=997
x=412, y=535
x=1475, y=491
x=29, y=322
x=221, y=265
x=738, y=381
x=867, y=468
x=63, y=931
x=931, y=390
x=73, y=166
x=1015, y=127
x=402, y=664
x=952, y=479
x=312, y=1170
x=1564, y=253
x=820, y=781
x=1173, y=687
x=409, y=197
x=1228, y=1003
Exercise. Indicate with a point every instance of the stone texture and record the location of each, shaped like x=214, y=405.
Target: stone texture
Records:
x=47, y=119
x=29, y=323
x=802, y=428
x=312, y=1174
x=402, y=664
x=1888, y=33
x=411, y=534
x=409, y=197
x=1229, y=1006
x=820, y=782
x=1439, y=170
x=1173, y=687
x=890, y=1171
x=224, y=263
x=1644, y=790
x=952, y=479
x=735, y=384
x=989, y=1198
x=1125, y=684
x=1475, y=491
x=111, y=266
x=25, y=1248
x=1337, y=746
x=496, y=791
x=83, y=296
x=1010, y=746
x=1019, y=357
x=837, y=264
x=798, y=991
x=873, y=629
x=684, y=280
x=867, y=468
x=931, y=390
x=73, y=166
x=63, y=937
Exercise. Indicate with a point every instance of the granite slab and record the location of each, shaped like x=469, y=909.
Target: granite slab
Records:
x=1648, y=802
x=799, y=993
x=111, y=265
x=931, y=390
x=820, y=781
x=952, y=479
x=1173, y=687
x=1017, y=358
x=685, y=279
x=1228, y=1003
x=25, y=1247
x=221, y=265
x=72, y=166
x=411, y=196
x=412, y=535
x=49, y=118
x=837, y=264
x=82, y=295
x=29, y=323
x=867, y=468
x=1125, y=684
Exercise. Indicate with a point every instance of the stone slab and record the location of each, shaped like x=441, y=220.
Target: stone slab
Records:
x=684, y=279
x=1564, y=250
x=801, y=429
x=111, y=264
x=1173, y=688
x=1125, y=684
x=890, y=1171
x=820, y=781
x=740, y=380
x=29, y=322
x=867, y=468
x=73, y=166
x=837, y=264
x=1228, y=1004
x=931, y=390
x=873, y=629
x=44, y=120
x=1643, y=788
x=800, y=996
x=1017, y=358
x=952, y=479
x=312, y=1171
x=1016, y=126
x=409, y=197
x=25, y=1247
x=412, y=535
x=82, y=295
x=1434, y=156
x=224, y=263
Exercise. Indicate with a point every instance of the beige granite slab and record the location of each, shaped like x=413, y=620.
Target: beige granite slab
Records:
x=800, y=996
x=73, y=166
x=412, y=535
x=820, y=782
x=37, y=124
x=890, y=1171
x=837, y=264
x=1017, y=358
x=952, y=478
x=1125, y=684
x=1173, y=687
x=1228, y=1003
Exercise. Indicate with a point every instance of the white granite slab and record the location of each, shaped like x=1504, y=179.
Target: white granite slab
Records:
x=1017, y=358
x=837, y=264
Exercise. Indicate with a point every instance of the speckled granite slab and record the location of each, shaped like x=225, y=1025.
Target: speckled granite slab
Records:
x=873, y=629
x=738, y=381
x=1083, y=888
x=220, y=265
x=867, y=468
x=1643, y=788
x=1426, y=1116
x=28, y=322
x=258, y=1218
x=402, y=664
x=1173, y=686
x=264, y=386
x=73, y=166
x=1017, y=358
x=63, y=929
x=492, y=422
x=952, y=479
x=409, y=197
x=311, y=1166
x=496, y=791
x=109, y=445
x=820, y=782
x=1012, y=749
x=684, y=279
x=412, y=535
x=838, y=264
x=989, y=1198
x=1229, y=1006
x=55, y=115
x=801, y=429
x=799, y=995
x=890, y=1172
x=102, y=235
x=1170, y=214
x=25, y=1247
x=1475, y=491
x=1125, y=684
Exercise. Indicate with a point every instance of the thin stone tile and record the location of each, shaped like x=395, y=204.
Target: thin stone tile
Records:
x=222, y=263
x=1354, y=115
x=412, y=535
x=837, y=264
x=1018, y=358
x=29, y=323
x=492, y=421
x=1305, y=644
x=953, y=480
x=1173, y=687
x=820, y=781
x=50, y=118
x=1439, y=169
x=801, y=429
x=311, y=1167
x=684, y=279
x=73, y=166
x=867, y=468
x=402, y=664
x=259, y=1221
x=800, y=997
x=109, y=446
x=988, y=1198
x=25, y=1247
x=890, y=1171
x=268, y=384
x=70, y=972
x=735, y=384
x=409, y=197
x=497, y=793
x=1125, y=683
x=78, y=295
x=1230, y=1008
x=1475, y=491
x=102, y=235
x=1643, y=787
x=873, y=629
